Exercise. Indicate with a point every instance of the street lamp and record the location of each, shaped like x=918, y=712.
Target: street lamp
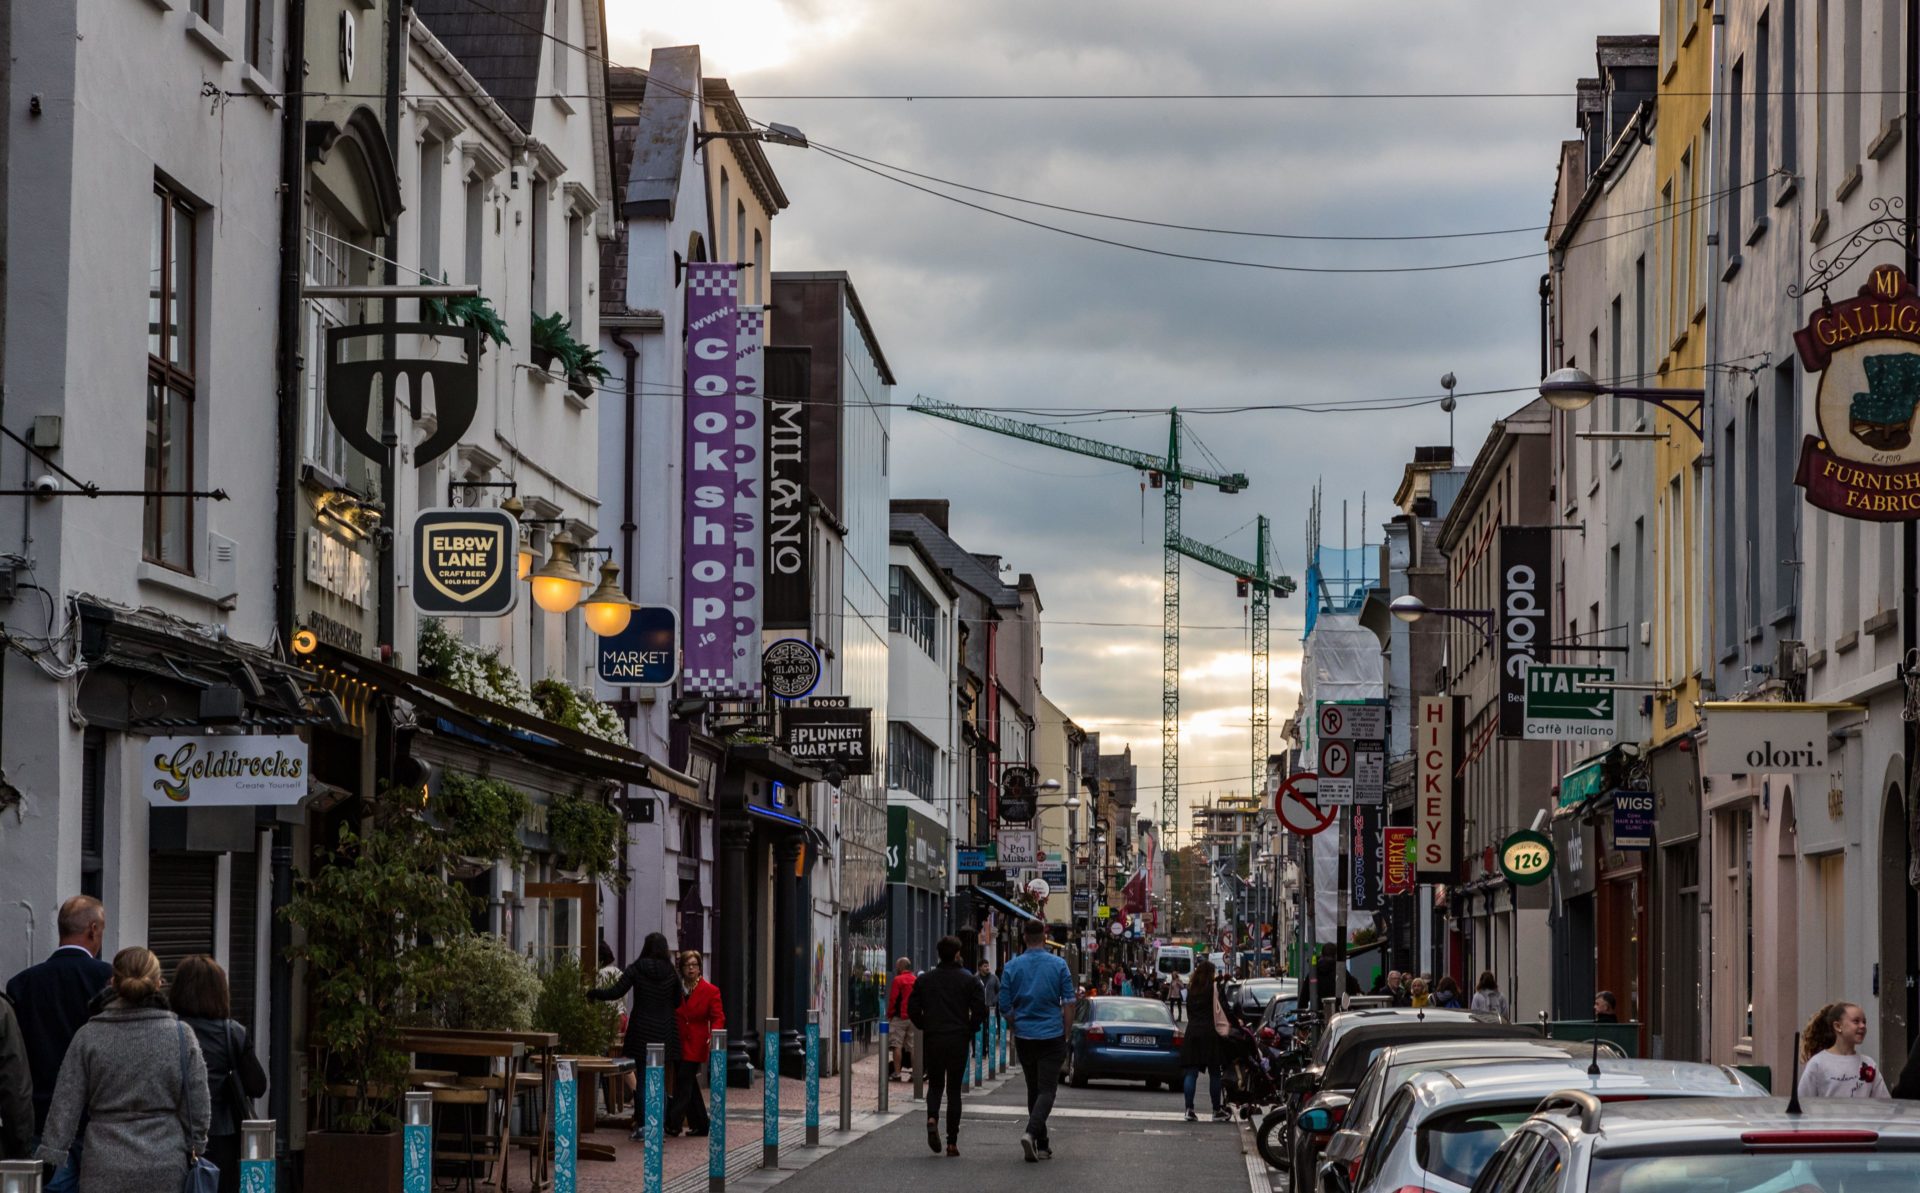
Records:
x=558, y=584
x=608, y=611
x=1573, y=389
x=1411, y=609
x=771, y=134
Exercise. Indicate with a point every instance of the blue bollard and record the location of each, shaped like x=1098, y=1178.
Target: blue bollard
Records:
x=885, y=1056
x=717, y=1094
x=846, y=1079
x=1006, y=1045
x=994, y=1065
x=770, y=1103
x=980, y=1057
x=416, y=1140
x=813, y=1078
x=656, y=1134
x=257, y=1170
x=566, y=1130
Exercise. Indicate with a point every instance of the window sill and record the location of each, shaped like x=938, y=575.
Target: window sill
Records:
x=1679, y=341
x=161, y=576
x=1783, y=615
x=566, y=106
x=1728, y=655
x=252, y=80
x=198, y=30
x=1819, y=229
x=1884, y=622
x=1733, y=267
x=1755, y=633
x=162, y=5
x=1759, y=232
x=1789, y=187
x=1884, y=143
x=1614, y=459
x=1848, y=185
x=1816, y=660
x=1846, y=642
x=574, y=400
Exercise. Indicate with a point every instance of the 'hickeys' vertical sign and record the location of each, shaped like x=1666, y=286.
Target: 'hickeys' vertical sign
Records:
x=1433, y=802
x=720, y=521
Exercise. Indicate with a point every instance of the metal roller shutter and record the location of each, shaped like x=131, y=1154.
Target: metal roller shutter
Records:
x=243, y=955
x=180, y=897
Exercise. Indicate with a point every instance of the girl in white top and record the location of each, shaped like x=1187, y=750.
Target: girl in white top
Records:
x=1835, y=1066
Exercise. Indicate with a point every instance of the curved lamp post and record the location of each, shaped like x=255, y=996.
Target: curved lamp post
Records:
x=1575, y=389
x=1411, y=609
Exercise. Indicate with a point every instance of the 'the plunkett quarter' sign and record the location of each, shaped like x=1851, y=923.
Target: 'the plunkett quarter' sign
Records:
x=1865, y=462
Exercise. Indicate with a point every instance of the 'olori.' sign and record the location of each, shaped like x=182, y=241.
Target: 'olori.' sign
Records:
x=1524, y=618
x=1433, y=803
x=1764, y=739
x=831, y=737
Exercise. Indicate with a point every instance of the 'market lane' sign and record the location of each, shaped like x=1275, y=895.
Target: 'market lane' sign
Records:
x=647, y=653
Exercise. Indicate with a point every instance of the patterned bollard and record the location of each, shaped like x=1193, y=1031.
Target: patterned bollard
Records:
x=717, y=1112
x=993, y=1045
x=813, y=1078
x=885, y=1057
x=980, y=1057
x=20, y=1176
x=566, y=1129
x=258, y=1173
x=416, y=1154
x=656, y=1131
x=770, y=1101
x=846, y=1079
x=1006, y=1044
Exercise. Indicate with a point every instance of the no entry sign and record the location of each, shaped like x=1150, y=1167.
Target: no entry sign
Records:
x=1297, y=806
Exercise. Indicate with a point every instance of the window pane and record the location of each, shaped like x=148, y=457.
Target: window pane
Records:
x=167, y=529
x=150, y=538
x=156, y=272
x=180, y=277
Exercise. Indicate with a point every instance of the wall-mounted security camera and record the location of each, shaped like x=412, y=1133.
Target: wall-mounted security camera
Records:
x=45, y=485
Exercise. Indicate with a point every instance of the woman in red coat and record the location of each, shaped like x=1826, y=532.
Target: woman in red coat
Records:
x=699, y=1016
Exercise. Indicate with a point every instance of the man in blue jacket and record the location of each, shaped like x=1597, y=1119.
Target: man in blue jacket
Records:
x=1036, y=994
x=51, y=1001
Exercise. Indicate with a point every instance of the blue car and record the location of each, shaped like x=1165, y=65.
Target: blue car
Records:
x=1131, y=1039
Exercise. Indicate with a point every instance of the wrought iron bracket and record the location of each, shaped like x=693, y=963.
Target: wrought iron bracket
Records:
x=1890, y=225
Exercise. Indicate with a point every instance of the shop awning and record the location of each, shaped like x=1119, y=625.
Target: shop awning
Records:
x=538, y=739
x=1006, y=905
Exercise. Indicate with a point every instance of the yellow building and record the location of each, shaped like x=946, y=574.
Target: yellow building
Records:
x=1678, y=350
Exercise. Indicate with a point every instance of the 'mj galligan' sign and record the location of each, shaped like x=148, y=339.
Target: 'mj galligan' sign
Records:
x=1865, y=462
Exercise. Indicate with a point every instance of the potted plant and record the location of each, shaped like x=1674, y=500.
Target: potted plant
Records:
x=585, y=1027
x=552, y=340
x=496, y=991
x=587, y=373
x=376, y=917
x=585, y=835
x=472, y=310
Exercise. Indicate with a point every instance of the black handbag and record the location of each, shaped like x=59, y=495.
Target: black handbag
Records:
x=234, y=1090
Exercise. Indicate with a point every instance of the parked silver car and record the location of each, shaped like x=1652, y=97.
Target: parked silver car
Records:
x=1440, y=1128
x=1578, y=1144
x=1341, y=1158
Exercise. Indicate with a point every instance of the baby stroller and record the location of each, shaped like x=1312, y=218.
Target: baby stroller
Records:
x=1248, y=1072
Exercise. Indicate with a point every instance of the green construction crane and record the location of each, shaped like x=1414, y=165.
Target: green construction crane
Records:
x=1167, y=474
x=1263, y=583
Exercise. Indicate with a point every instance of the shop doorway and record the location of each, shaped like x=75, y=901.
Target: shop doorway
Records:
x=1897, y=951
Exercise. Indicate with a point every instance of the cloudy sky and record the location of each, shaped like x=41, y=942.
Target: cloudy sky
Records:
x=980, y=310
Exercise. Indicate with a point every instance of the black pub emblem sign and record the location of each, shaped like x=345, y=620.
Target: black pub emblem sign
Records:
x=463, y=562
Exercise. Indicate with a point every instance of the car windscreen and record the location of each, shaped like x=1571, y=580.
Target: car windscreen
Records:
x=1151, y=1014
x=1457, y=1145
x=1761, y=1172
x=1175, y=963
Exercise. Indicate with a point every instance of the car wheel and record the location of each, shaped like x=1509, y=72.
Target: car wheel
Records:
x=1153, y=1085
x=1271, y=1138
x=1076, y=1076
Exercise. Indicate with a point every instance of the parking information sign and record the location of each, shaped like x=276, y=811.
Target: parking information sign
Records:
x=1336, y=773
x=1561, y=707
x=1352, y=721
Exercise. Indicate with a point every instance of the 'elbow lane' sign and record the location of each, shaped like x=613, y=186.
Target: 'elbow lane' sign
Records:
x=463, y=562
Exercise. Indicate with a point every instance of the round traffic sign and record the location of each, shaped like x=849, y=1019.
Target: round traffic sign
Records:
x=1294, y=805
x=1332, y=719
x=1336, y=759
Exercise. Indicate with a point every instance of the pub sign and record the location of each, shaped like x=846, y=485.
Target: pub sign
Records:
x=464, y=562
x=1865, y=461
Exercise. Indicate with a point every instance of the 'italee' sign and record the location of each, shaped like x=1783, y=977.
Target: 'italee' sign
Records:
x=463, y=562
x=1765, y=739
x=1865, y=462
x=237, y=771
x=1561, y=706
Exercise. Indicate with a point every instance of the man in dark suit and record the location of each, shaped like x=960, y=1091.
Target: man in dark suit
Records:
x=52, y=999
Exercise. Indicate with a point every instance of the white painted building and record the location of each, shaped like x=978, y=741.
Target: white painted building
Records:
x=923, y=747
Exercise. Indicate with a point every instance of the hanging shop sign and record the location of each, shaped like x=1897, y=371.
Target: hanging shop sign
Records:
x=916, y=849
x=1017, y=798
x=339, y=568
x=1524, y=616
x=973, y=859
x=1526, y=857
x=1561, y=704
x=1018, y=847
x=1633, y=813
x=1397, y=849
x=1434, y=787
x=1368, y=863
x=463, y=562
x=1865, y=462
x=822, y=737
x=720, y=541
x=791, y=668
x=647, y=653
x=1574, y=855
x=789, y=603
x=453, y=377
x=226, y=771
x=1765, y=739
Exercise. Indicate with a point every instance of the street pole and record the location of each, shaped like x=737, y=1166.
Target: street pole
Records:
x=846, y=1079
x=1340, y=911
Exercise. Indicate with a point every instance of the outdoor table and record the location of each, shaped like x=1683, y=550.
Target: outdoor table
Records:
x=587, y=1071
x=491, y=1045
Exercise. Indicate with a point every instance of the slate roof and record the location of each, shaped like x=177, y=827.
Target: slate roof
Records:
x=955, y=560
x=501, y=48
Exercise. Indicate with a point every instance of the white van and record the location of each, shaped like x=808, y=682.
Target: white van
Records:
x=1173, y=959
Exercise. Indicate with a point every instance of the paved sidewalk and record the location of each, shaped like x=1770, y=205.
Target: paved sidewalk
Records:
x=685, y=1161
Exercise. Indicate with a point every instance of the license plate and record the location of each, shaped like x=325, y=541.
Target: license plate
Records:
x=1139, y=1041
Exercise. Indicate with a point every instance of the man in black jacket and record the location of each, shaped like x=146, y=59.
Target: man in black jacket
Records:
x=16, y=1089
x=948, y=1005
x=52, y=1000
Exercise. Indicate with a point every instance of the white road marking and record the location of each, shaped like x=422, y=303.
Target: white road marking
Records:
x=1160, y=1116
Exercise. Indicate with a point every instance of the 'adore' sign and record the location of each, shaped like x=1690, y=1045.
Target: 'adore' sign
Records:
x=1865, y=462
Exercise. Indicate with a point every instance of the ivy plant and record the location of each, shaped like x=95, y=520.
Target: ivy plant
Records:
x=481, y=816
x=585, y=834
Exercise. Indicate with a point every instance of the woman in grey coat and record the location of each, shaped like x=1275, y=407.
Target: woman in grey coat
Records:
x=135, y=1072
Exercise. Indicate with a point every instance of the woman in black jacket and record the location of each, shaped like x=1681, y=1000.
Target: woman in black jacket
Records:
x=202, y=1000
x=1206, y=1023
x=656, y=996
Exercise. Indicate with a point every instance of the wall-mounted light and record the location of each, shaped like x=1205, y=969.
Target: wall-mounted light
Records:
x=348, y=511
x=558, y=584
x=608, y=611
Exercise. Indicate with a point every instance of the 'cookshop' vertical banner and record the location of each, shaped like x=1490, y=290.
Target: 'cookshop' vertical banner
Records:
x=750, y=491
x=720, y=647
x=1524, y=618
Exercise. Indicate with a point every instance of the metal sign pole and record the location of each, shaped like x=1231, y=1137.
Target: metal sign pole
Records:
x=416, y=1156
x=717, y=1095
x=846, y=1079
x=770, y=1093
x=656, y=1134
x=813, y=1077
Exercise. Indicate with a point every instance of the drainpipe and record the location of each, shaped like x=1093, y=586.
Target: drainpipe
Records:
x=286, y=538
x=388, y=539
x=1910, y=561
x=632, y=354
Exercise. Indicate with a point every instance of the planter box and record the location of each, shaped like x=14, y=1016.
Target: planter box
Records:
x=361, y=1163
